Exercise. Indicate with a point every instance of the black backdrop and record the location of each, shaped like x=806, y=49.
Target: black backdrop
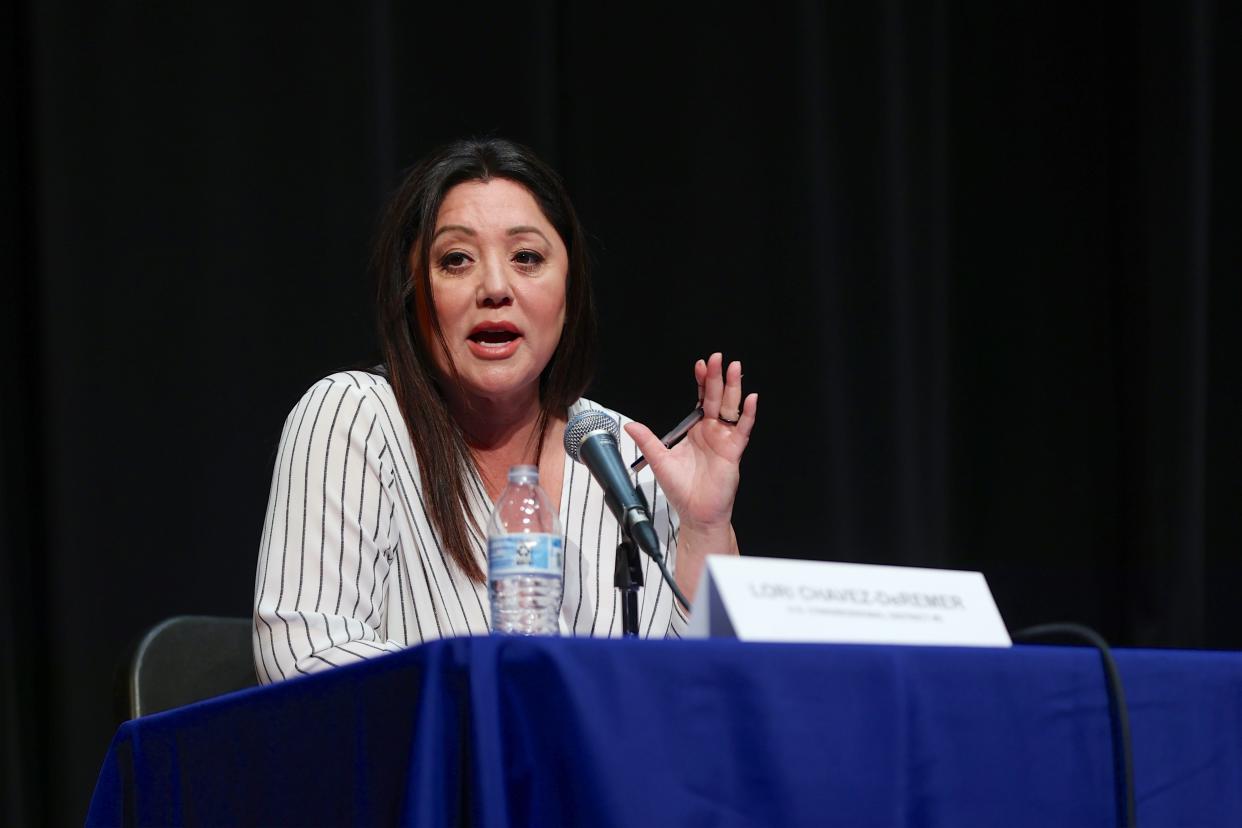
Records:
x=980, y=261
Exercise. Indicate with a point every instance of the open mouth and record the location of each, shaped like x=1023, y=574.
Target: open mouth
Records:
x=494, y=340
x=493, y=337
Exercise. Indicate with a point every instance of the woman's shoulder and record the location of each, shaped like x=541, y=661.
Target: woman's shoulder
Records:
x=368, y=388
x=366, y=383
x=374, y=380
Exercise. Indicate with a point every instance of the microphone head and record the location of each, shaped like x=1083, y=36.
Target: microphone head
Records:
x=584, y=423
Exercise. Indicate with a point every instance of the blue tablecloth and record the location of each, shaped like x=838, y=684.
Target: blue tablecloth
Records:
x=501, y=731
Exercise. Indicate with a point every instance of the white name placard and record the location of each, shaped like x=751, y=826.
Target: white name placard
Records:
x=773, y=599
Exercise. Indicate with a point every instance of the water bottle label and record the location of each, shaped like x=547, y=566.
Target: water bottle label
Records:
x=533, y=554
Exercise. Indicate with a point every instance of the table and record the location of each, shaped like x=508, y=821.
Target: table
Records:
x=510, y=731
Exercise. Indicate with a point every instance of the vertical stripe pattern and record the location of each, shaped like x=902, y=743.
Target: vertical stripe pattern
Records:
x=350, y=566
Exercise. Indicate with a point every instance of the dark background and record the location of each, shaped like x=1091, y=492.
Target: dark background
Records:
x=980, y=260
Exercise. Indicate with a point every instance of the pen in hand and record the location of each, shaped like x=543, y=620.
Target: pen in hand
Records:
x=672, y=438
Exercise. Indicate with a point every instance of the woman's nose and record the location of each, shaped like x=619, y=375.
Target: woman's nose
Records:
x=494, y=290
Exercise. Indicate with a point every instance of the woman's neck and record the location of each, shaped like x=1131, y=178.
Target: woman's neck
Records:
x=501, y=433
x=498, y=425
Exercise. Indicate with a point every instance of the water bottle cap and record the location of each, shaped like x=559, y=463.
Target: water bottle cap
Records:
x=524, y=474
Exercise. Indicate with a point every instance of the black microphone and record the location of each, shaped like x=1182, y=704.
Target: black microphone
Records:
x=591, y=439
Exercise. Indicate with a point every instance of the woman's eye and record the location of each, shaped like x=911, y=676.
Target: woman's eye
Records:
x=454, y=262
x=527, y=259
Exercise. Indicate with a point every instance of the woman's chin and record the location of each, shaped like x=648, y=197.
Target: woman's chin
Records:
x=501, y=382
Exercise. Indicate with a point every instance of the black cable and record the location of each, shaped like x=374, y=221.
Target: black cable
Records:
x=660, y=560
x=1119, y=718
x=668, y=579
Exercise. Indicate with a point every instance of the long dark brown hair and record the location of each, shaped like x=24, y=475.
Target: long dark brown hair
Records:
x=445, y=461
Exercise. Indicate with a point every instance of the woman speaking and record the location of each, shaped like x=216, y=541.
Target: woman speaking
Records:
x=384, y=480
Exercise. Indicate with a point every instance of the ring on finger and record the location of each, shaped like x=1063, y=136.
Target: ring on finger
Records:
x=727, y=421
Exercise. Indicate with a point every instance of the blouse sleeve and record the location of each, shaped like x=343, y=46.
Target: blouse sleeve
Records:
x=325, y=551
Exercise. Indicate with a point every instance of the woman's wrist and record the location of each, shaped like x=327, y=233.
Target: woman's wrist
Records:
x=694, y=543
x=722, y=527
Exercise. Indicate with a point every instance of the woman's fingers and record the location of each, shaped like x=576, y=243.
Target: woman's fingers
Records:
x=746, y=423
x=722, y=389
x=648, y=444
x=700, y=376
x=731, y=399
x=713, y=388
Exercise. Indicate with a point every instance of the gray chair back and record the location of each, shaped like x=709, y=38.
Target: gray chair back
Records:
x=187, y=659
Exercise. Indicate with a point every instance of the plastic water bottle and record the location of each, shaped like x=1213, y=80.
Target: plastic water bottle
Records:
x=525, y=558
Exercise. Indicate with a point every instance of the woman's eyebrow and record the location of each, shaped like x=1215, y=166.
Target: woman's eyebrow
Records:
x=460, y=228
x=526, y=228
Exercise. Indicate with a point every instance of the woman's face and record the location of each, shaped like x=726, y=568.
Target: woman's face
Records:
x=498, y=270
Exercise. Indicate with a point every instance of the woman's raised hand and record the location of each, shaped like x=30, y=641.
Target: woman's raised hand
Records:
x=700, y=474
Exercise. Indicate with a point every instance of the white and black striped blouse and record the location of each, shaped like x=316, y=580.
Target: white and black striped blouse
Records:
x=350, y=566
